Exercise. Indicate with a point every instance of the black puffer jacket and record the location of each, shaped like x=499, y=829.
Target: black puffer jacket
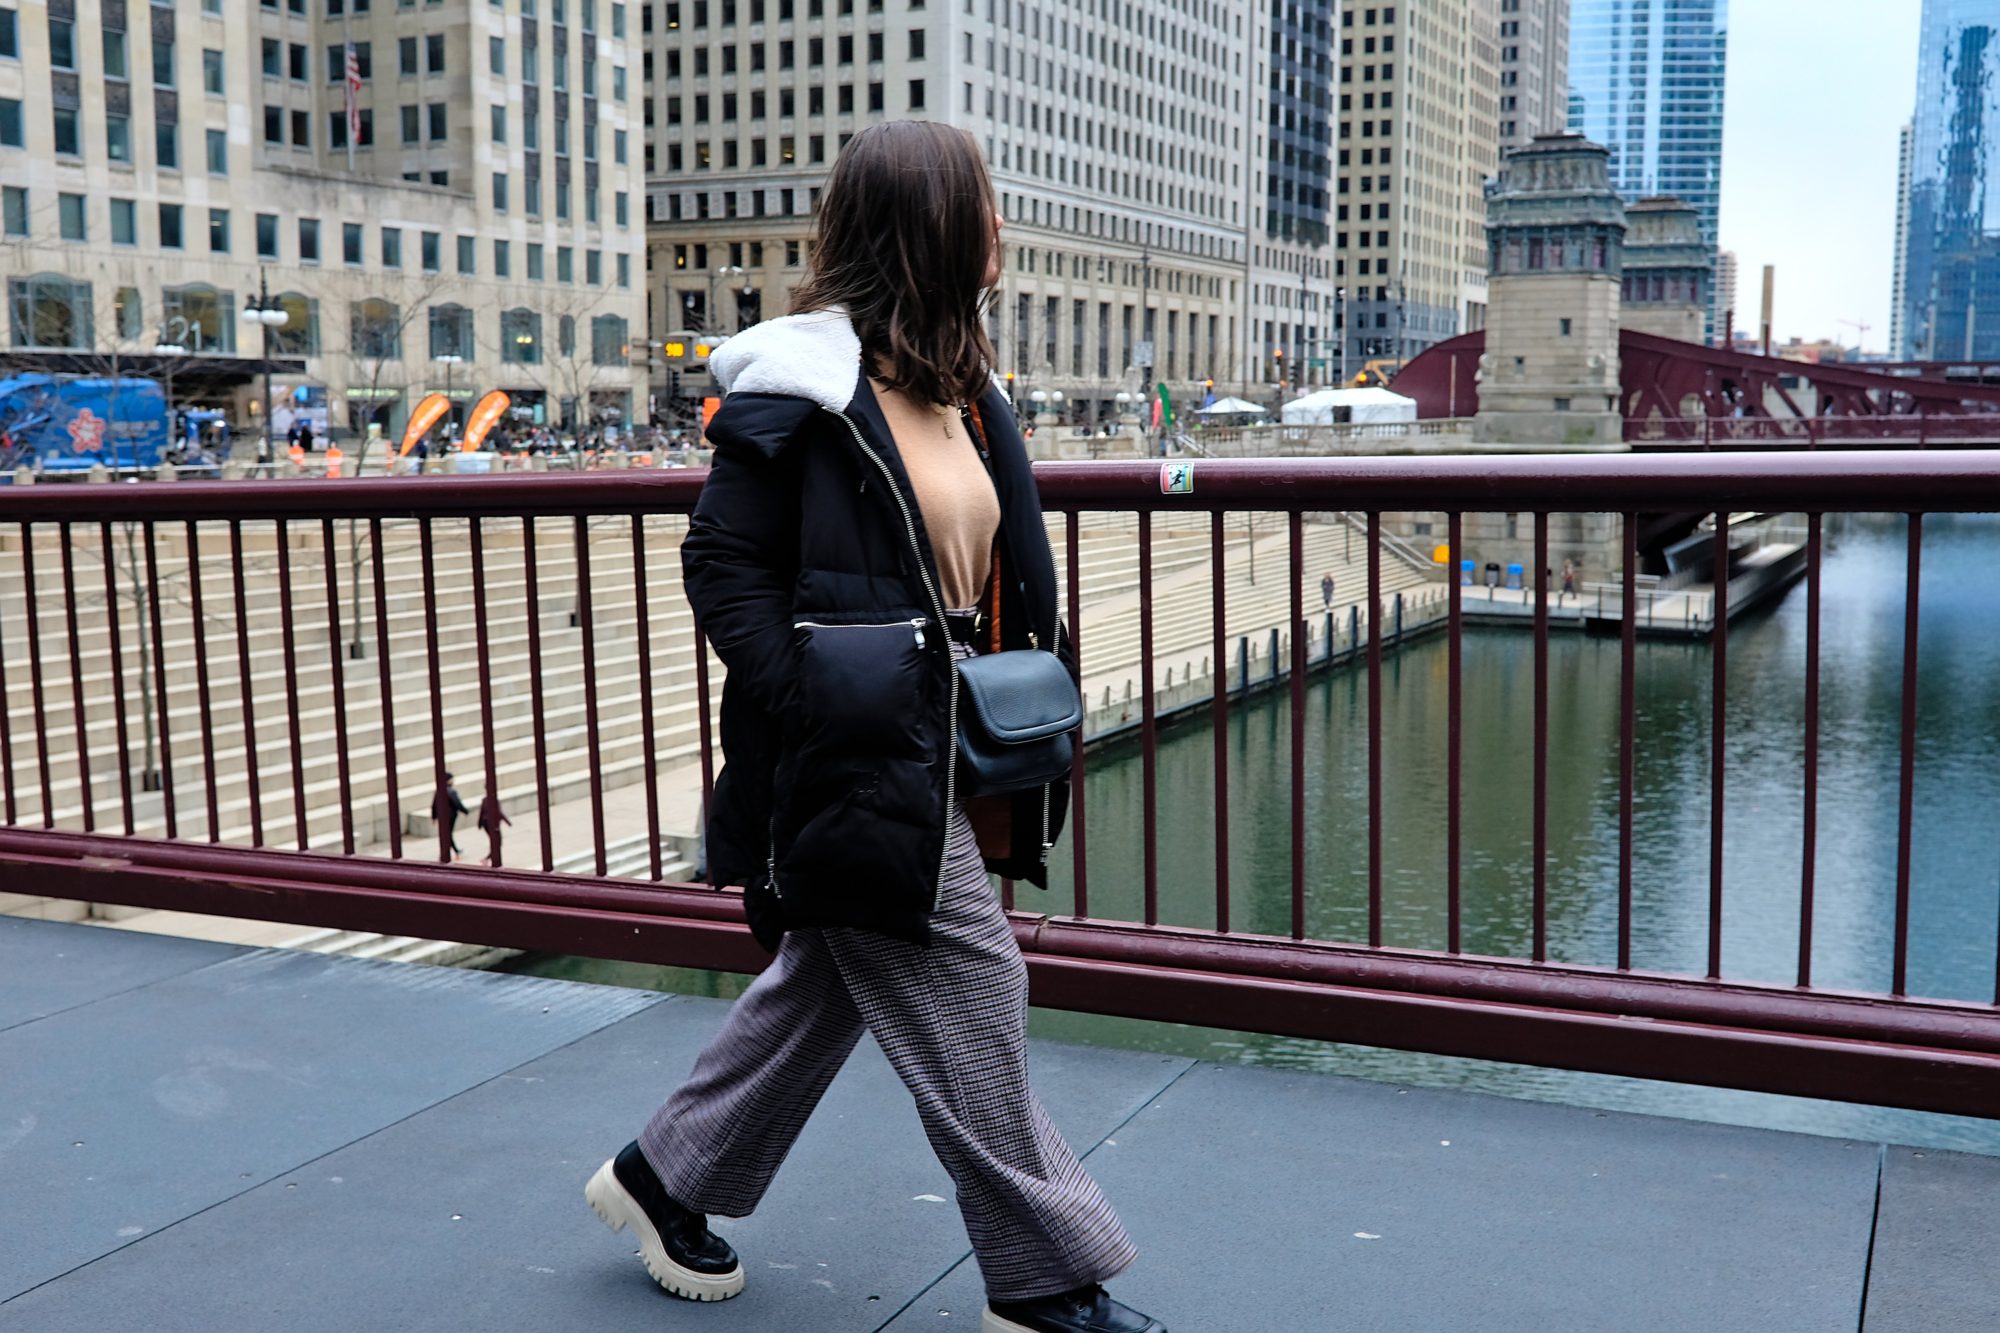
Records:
x=810, y=569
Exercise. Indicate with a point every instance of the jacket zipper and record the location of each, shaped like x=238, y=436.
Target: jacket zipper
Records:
x=937, y=604
x=916, y=623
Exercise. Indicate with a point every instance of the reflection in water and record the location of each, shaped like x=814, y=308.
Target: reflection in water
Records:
x=1955, y=900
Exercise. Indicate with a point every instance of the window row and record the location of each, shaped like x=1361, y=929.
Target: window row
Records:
x=66, y=134
x=784, y=54
x=175, y=225
x=55, y=312
x=727, y=12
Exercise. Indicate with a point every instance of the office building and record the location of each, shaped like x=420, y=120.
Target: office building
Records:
x=1899, y=286
x=1949, y=256
x=1419, y=137
x=1116, y=134
x=1534, y=69
x=1646, y=81
x=479, y=198
x=1726, y=314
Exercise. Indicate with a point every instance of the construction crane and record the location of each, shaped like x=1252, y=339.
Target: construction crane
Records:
x=1860, y=331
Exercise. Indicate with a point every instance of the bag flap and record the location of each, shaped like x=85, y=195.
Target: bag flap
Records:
x=1021, y=695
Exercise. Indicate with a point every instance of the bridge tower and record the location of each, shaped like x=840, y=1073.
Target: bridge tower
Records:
x=1669, y=272
x=1556, y=233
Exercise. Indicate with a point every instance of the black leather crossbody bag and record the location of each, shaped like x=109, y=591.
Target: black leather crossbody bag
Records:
x=1020, y=708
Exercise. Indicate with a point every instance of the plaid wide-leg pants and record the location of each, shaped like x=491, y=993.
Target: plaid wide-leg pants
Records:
x=951, y=1015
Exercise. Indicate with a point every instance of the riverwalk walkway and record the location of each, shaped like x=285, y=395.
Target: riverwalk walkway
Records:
x=199, y=1136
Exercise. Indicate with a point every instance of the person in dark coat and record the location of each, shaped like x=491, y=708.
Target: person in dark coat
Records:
x=446, y=807
x=491, y=817
x=844, y=535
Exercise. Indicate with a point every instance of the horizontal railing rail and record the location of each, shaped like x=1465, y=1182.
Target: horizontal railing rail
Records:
x=1861, y=431
x=244, y=698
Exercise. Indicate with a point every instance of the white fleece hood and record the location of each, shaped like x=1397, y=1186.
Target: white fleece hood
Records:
x=814, y=356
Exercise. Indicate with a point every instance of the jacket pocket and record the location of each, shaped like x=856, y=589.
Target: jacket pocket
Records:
x=863, y=687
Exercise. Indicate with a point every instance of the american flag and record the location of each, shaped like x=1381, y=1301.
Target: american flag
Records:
x=353, y=94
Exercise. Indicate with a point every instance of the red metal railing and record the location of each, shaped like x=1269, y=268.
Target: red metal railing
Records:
x=1890, y=1048
x=1858, y=431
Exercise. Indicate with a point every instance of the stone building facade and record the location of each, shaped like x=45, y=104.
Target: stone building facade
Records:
x=161, y=163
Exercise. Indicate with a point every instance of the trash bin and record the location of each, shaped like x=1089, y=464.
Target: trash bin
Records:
x=1514, y=577
x=1492, y=574
x=1465, y=570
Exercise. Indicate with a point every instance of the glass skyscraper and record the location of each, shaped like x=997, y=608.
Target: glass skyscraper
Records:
x=1949, y=224
x=1645, y=80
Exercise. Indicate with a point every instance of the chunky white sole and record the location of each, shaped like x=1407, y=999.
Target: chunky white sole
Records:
x=619, y=1210
x=993, y=1323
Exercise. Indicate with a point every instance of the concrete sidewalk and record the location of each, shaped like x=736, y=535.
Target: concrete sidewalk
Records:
x=200, y=1136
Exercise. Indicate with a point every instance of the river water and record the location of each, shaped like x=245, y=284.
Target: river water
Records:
x=1955, y=912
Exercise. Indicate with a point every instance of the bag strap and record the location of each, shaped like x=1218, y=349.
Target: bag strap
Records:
x=977, y=428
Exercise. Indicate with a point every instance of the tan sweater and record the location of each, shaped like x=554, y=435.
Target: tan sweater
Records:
x=961, y=512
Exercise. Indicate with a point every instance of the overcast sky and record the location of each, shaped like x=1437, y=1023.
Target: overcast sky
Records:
x=1817, y=94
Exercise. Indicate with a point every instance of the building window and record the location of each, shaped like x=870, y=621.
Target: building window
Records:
x=218, y=231
x=124, y=222
x=163, y=62
x=118, y=138
x=608, y=339
x=218, y=152
x=11, y=133
x=451, y=331
x=10, y=34
x=437, y=121
x=520, y=337
x=468, y=252
x=170, y=227
x=300, y=334
x=351, y=244
x=128, y=313
x=624, y=270
x=375, y=330
x=115, y=64
x=566, y=336
x=68, y=142
x=431, y=247
x=500, y=192
x=308, y=240
x=434, y=53
x=199, y=318
x=502, y=260
x=535, y=270
x=392, y=247
x=49, y=310
x=267, y=236
x=62, y=44
x=71, y=219
x=211, y=72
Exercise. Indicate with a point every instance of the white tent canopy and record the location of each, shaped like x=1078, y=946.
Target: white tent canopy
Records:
x=1231, y=407
x=1360, y=406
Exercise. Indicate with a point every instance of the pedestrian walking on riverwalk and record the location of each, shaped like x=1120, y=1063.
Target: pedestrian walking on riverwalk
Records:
x=446, y=807
x=1326, y=591
x=842, y=621
x=1569, y=578
x=491, y=817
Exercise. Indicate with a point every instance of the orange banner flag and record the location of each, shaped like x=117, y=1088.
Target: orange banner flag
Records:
x=485, y=416
x=425, y=415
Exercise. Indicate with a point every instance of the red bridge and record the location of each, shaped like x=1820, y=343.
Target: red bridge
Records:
x=1678, y=395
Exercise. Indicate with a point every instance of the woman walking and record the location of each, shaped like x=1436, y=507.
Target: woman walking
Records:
x=870, y=517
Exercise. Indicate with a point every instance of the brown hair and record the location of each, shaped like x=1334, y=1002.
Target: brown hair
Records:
x=902, y=239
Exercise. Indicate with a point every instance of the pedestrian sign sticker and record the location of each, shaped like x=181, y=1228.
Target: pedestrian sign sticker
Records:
x=1177, y=478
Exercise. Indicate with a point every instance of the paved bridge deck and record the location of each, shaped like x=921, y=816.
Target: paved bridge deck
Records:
x=202, y=1136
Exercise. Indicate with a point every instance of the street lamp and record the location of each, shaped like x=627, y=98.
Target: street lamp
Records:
x=448, y=360
x=726, y=271
x=262, y=312
x=1340, y=293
